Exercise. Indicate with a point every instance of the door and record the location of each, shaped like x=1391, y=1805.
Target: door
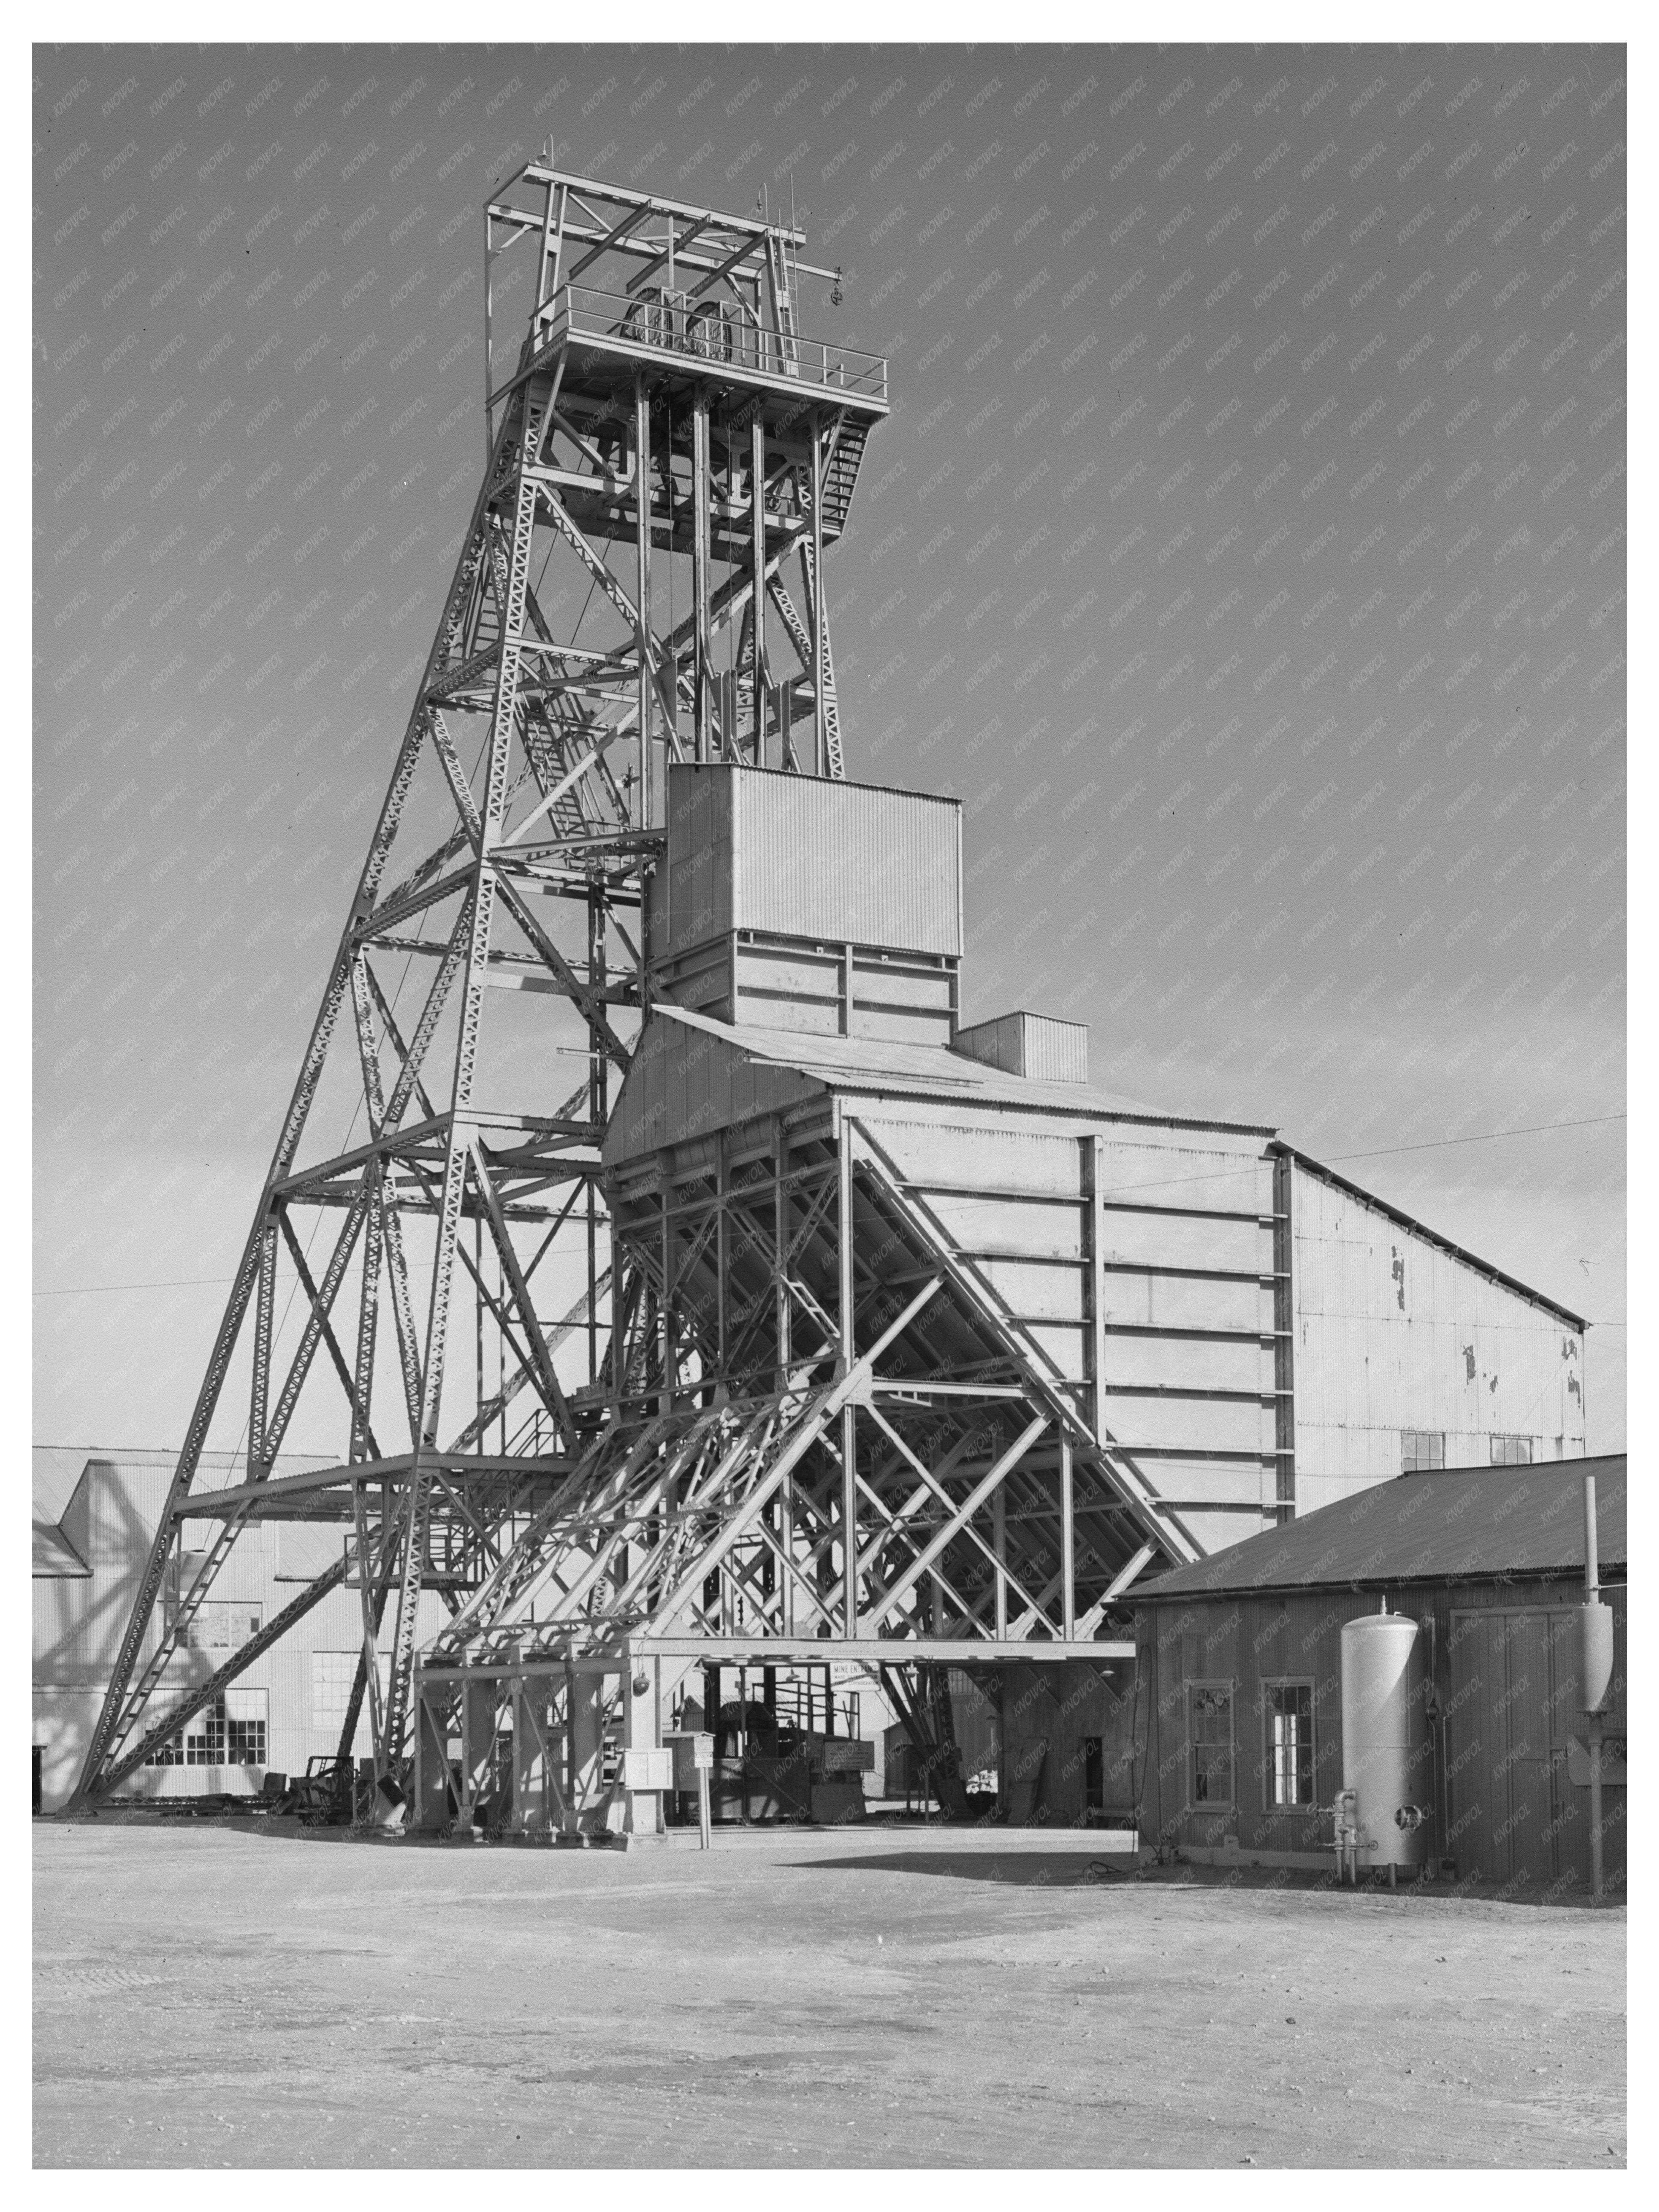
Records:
x=1516, y=1815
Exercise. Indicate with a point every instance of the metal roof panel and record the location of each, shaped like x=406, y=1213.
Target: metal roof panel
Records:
x=1447, y=1524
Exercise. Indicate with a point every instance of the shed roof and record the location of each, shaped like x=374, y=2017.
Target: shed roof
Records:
x=1449, y=1524
x=926, y=1071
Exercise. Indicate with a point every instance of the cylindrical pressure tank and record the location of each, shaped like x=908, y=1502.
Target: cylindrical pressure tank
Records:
x=1380, y=1754
x=1595, y=1657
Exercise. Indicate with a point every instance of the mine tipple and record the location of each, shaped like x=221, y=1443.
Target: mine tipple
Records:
x=812, y=1328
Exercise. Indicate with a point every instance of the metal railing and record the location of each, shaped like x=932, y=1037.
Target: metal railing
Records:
x=712, y=331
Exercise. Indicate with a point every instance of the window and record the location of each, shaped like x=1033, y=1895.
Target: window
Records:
x=229, y=1732
x=1289, y=1707
x=1211, y=1709
x=332, y=1674
x=1511, y=1451
x=221, y=1624
x=1421, y=1448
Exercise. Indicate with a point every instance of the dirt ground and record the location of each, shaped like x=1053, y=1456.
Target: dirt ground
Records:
x=246, y=1995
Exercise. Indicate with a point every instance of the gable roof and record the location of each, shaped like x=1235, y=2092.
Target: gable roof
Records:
x=1447, y=1524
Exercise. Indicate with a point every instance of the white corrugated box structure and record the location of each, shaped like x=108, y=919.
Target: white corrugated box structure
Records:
x=94, y=1518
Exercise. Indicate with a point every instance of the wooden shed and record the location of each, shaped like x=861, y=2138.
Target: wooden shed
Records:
x=1238, y=1671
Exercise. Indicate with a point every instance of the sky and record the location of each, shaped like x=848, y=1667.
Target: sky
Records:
x=1246, y=550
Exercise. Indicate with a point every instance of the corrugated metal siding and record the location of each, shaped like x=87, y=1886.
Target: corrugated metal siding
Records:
x=1035, y=1045
x=78, y=1623
x=1393, y=1332
x=684, y=1083
x=700, y=849
x=800, y=856
x=1215, y=1450
x=847, y=861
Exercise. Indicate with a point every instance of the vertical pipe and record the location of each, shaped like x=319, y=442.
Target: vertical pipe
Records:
x=757, y=552
x=642, y=588
x=1067, y=1560
x=1592, y=1596
x=820, y=739
x=701, y=669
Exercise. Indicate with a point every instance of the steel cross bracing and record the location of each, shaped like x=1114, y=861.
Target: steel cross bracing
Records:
x=830, y=1439
x=666, y=453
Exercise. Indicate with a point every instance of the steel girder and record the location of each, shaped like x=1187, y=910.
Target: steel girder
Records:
x=521, y=819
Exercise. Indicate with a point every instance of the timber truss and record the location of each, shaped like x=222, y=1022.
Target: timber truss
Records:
x=641, y=581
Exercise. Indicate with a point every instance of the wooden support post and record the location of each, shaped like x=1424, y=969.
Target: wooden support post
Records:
x=701, y=663
x=642, y=591
x=757, y=553
x=820, y=734
x=1067, y=1555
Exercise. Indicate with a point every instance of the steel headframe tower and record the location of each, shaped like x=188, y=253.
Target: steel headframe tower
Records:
x=668, y=449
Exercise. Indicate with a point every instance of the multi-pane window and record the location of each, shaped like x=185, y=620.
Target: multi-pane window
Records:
x=232, y=1731
x=221, y=1625
x=332, y=1674
x=1421, y=1448
x=1511, y=1451
x=1212, y=1742
x=1289, y=1743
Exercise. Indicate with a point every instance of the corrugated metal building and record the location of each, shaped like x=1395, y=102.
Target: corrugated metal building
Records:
x=1254, y=1334
x=95, y=1518
x=1239, y=1657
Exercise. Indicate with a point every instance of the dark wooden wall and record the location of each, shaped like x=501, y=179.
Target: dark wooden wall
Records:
x=1505, y=1811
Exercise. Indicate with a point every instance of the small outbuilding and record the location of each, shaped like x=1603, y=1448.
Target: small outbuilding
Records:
x=1239, y=1677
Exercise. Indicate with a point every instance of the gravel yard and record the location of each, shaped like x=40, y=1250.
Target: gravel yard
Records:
x=247, y=1995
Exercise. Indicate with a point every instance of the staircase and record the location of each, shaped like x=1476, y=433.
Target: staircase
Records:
x=841, y=473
